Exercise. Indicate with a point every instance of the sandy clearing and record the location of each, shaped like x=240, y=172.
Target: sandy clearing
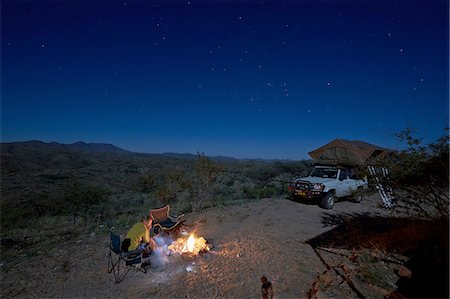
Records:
x=260, y=237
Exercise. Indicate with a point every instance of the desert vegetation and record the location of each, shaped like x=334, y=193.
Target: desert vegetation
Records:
x=80, y=187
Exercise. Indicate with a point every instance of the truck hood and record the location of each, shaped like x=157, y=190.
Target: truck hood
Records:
x=316, y=180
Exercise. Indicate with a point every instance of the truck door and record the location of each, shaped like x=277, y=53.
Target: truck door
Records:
x=345, y=185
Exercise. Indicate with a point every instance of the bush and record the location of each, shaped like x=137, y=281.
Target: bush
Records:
x=203, y=182
x=420, y=175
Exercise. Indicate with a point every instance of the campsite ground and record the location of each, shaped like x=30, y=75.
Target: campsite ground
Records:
x=267, y=237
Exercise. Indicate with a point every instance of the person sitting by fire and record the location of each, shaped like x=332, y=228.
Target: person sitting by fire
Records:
x=138, y=237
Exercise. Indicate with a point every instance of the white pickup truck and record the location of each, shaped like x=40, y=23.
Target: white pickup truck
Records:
x=327, y=183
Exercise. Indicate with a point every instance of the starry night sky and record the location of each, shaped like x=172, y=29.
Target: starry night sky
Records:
x=248, y=80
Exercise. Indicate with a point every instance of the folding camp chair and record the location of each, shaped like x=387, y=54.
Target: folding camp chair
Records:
x=117, y=259
x=163, y=221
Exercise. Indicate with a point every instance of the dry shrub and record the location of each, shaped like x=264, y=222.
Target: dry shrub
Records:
x=420, y=176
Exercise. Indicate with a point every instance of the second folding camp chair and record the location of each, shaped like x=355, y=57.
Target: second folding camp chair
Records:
x=121, y=262
x=162, y=220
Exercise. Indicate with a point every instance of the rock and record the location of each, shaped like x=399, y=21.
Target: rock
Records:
x=404, y=272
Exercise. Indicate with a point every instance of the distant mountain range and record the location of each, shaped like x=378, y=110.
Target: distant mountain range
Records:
x=34, y=168
x=77, y=146
x=97, y=147
x=81, y=146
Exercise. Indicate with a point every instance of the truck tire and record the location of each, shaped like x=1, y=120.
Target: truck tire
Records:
x=328, y=201
x=357, y=198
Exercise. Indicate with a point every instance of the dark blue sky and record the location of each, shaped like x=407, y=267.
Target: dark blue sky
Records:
x=249, y=80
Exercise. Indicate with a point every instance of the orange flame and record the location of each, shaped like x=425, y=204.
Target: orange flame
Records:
x=190, y=243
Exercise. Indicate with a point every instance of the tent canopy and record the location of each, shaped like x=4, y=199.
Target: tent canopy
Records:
x=348, y=152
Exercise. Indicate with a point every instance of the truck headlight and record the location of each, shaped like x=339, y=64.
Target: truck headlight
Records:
x=318, y=187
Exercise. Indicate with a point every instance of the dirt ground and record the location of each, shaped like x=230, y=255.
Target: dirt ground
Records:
x=265, y=237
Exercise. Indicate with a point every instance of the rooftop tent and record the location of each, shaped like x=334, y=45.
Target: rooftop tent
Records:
x=348, y=152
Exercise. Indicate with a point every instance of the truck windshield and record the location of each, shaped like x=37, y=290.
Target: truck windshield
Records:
x=324, y=172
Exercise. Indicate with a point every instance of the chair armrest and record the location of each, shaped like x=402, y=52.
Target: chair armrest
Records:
x=132, y=253
x=176, y=218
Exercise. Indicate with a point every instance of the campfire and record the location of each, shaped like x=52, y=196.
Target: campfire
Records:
x=192, y=245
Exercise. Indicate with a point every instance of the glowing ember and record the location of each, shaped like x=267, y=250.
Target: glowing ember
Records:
x=192, y=245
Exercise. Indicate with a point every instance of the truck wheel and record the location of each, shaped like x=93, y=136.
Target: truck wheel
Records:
x=357, y=198
x=328, y=201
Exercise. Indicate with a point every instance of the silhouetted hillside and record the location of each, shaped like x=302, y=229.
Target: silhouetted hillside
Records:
x=77, y=146
x=97, y=147
x=36, y=145
x=45, y=177
x=28, y=168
